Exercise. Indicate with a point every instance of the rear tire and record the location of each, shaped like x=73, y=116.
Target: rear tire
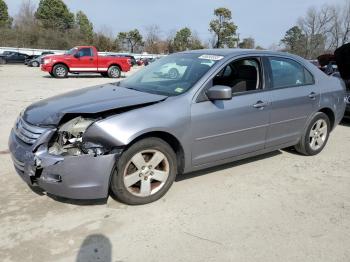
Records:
x=114, y=72
x=60, y=71
x=144, y=172
x=315, y=136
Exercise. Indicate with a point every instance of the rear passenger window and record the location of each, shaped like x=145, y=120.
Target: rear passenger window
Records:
x=288, y=73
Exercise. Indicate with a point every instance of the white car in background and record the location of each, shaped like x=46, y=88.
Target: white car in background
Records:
x=171, y=71
x=175, y=71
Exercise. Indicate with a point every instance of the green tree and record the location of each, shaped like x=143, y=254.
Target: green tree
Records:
x=104, y=43
x=247, y=43
x=295, y=41
x=85, y=27
x=196, y=42
x=54, y=14
x=5, y=19
x=132, y=39
x=223, y=28
x=183, y=39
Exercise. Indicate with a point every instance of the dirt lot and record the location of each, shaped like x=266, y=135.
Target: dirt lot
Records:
x=278, y=207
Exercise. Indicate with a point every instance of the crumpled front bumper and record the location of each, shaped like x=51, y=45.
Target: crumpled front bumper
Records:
x=76, y=177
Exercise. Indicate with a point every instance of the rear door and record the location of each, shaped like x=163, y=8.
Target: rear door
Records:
x=85, y=62
x=294, y=97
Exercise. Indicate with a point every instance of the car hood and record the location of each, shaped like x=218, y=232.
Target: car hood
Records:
x=92, y=100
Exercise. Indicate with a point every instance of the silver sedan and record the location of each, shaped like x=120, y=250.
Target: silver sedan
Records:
x=132, y=138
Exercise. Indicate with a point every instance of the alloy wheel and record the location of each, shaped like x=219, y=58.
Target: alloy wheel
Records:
x=115, y=72
x=318, y=134
x=60, y=71
x=146, y=173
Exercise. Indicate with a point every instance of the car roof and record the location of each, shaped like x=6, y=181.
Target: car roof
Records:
x=234, y=52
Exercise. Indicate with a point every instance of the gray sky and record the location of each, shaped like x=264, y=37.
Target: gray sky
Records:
x=265, y=20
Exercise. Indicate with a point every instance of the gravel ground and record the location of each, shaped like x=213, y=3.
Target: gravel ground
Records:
x=277, y=207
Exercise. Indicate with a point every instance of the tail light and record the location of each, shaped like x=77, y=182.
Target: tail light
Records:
x=129, y=61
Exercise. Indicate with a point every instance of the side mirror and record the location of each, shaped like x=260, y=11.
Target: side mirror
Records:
x=219, y=93
x=77, y=55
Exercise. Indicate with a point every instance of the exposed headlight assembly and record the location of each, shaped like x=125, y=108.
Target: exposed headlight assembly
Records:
x=69, y=139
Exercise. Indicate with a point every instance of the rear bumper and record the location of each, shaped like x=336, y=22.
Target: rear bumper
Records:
x=75, y=177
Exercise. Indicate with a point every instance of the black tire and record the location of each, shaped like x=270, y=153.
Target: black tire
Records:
x=118, y=187
x=35, y=64
x=104, y=74
x=114, y=72
x=304, y=146
x=60, y=71
x=51, y=74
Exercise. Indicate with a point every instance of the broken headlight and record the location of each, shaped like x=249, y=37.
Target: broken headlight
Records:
x=69, y=139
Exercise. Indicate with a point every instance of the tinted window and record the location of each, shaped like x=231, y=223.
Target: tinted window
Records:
x=85, y=52
x=287, y=73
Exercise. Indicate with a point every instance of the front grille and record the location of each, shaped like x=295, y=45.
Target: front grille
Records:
x=26, y=132
x=18, y=164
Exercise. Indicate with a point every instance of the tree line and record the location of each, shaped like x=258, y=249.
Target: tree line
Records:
x=51, y=25
x=320, y=31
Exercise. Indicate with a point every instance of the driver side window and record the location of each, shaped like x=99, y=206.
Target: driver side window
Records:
x=241, y=76
x=85, y=52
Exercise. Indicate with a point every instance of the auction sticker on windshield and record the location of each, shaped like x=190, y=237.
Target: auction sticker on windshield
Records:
x=211, y=57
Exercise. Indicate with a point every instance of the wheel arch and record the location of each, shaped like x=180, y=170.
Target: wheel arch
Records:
x=331, y=115
x=171, y=140
x=60, y=63
x=115, y=64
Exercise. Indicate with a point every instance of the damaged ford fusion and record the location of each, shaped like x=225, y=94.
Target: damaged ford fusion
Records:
x=185, y=112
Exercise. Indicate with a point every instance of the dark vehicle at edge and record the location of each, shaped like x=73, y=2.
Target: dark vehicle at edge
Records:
x=342, y=57
x=13, y=58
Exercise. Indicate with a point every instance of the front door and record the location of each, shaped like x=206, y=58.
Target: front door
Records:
x=227, y=128
x=85, y=62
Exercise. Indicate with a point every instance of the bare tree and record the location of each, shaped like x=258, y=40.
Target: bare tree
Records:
x=315, y=27
x=152, y=39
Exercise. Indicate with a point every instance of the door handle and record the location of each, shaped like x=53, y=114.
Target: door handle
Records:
x=91, y=59
x=312, y=95
x=261, y=104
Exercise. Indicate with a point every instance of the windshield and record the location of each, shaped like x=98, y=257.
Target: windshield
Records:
x=71, y=51
x=171, y=75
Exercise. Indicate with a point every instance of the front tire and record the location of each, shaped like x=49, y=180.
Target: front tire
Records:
x=114, y=72
x=35, y=64
x=60, y=71
x=144, y=172
x=315, y=136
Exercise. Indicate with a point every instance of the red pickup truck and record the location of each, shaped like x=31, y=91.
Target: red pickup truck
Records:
x=84, y=59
